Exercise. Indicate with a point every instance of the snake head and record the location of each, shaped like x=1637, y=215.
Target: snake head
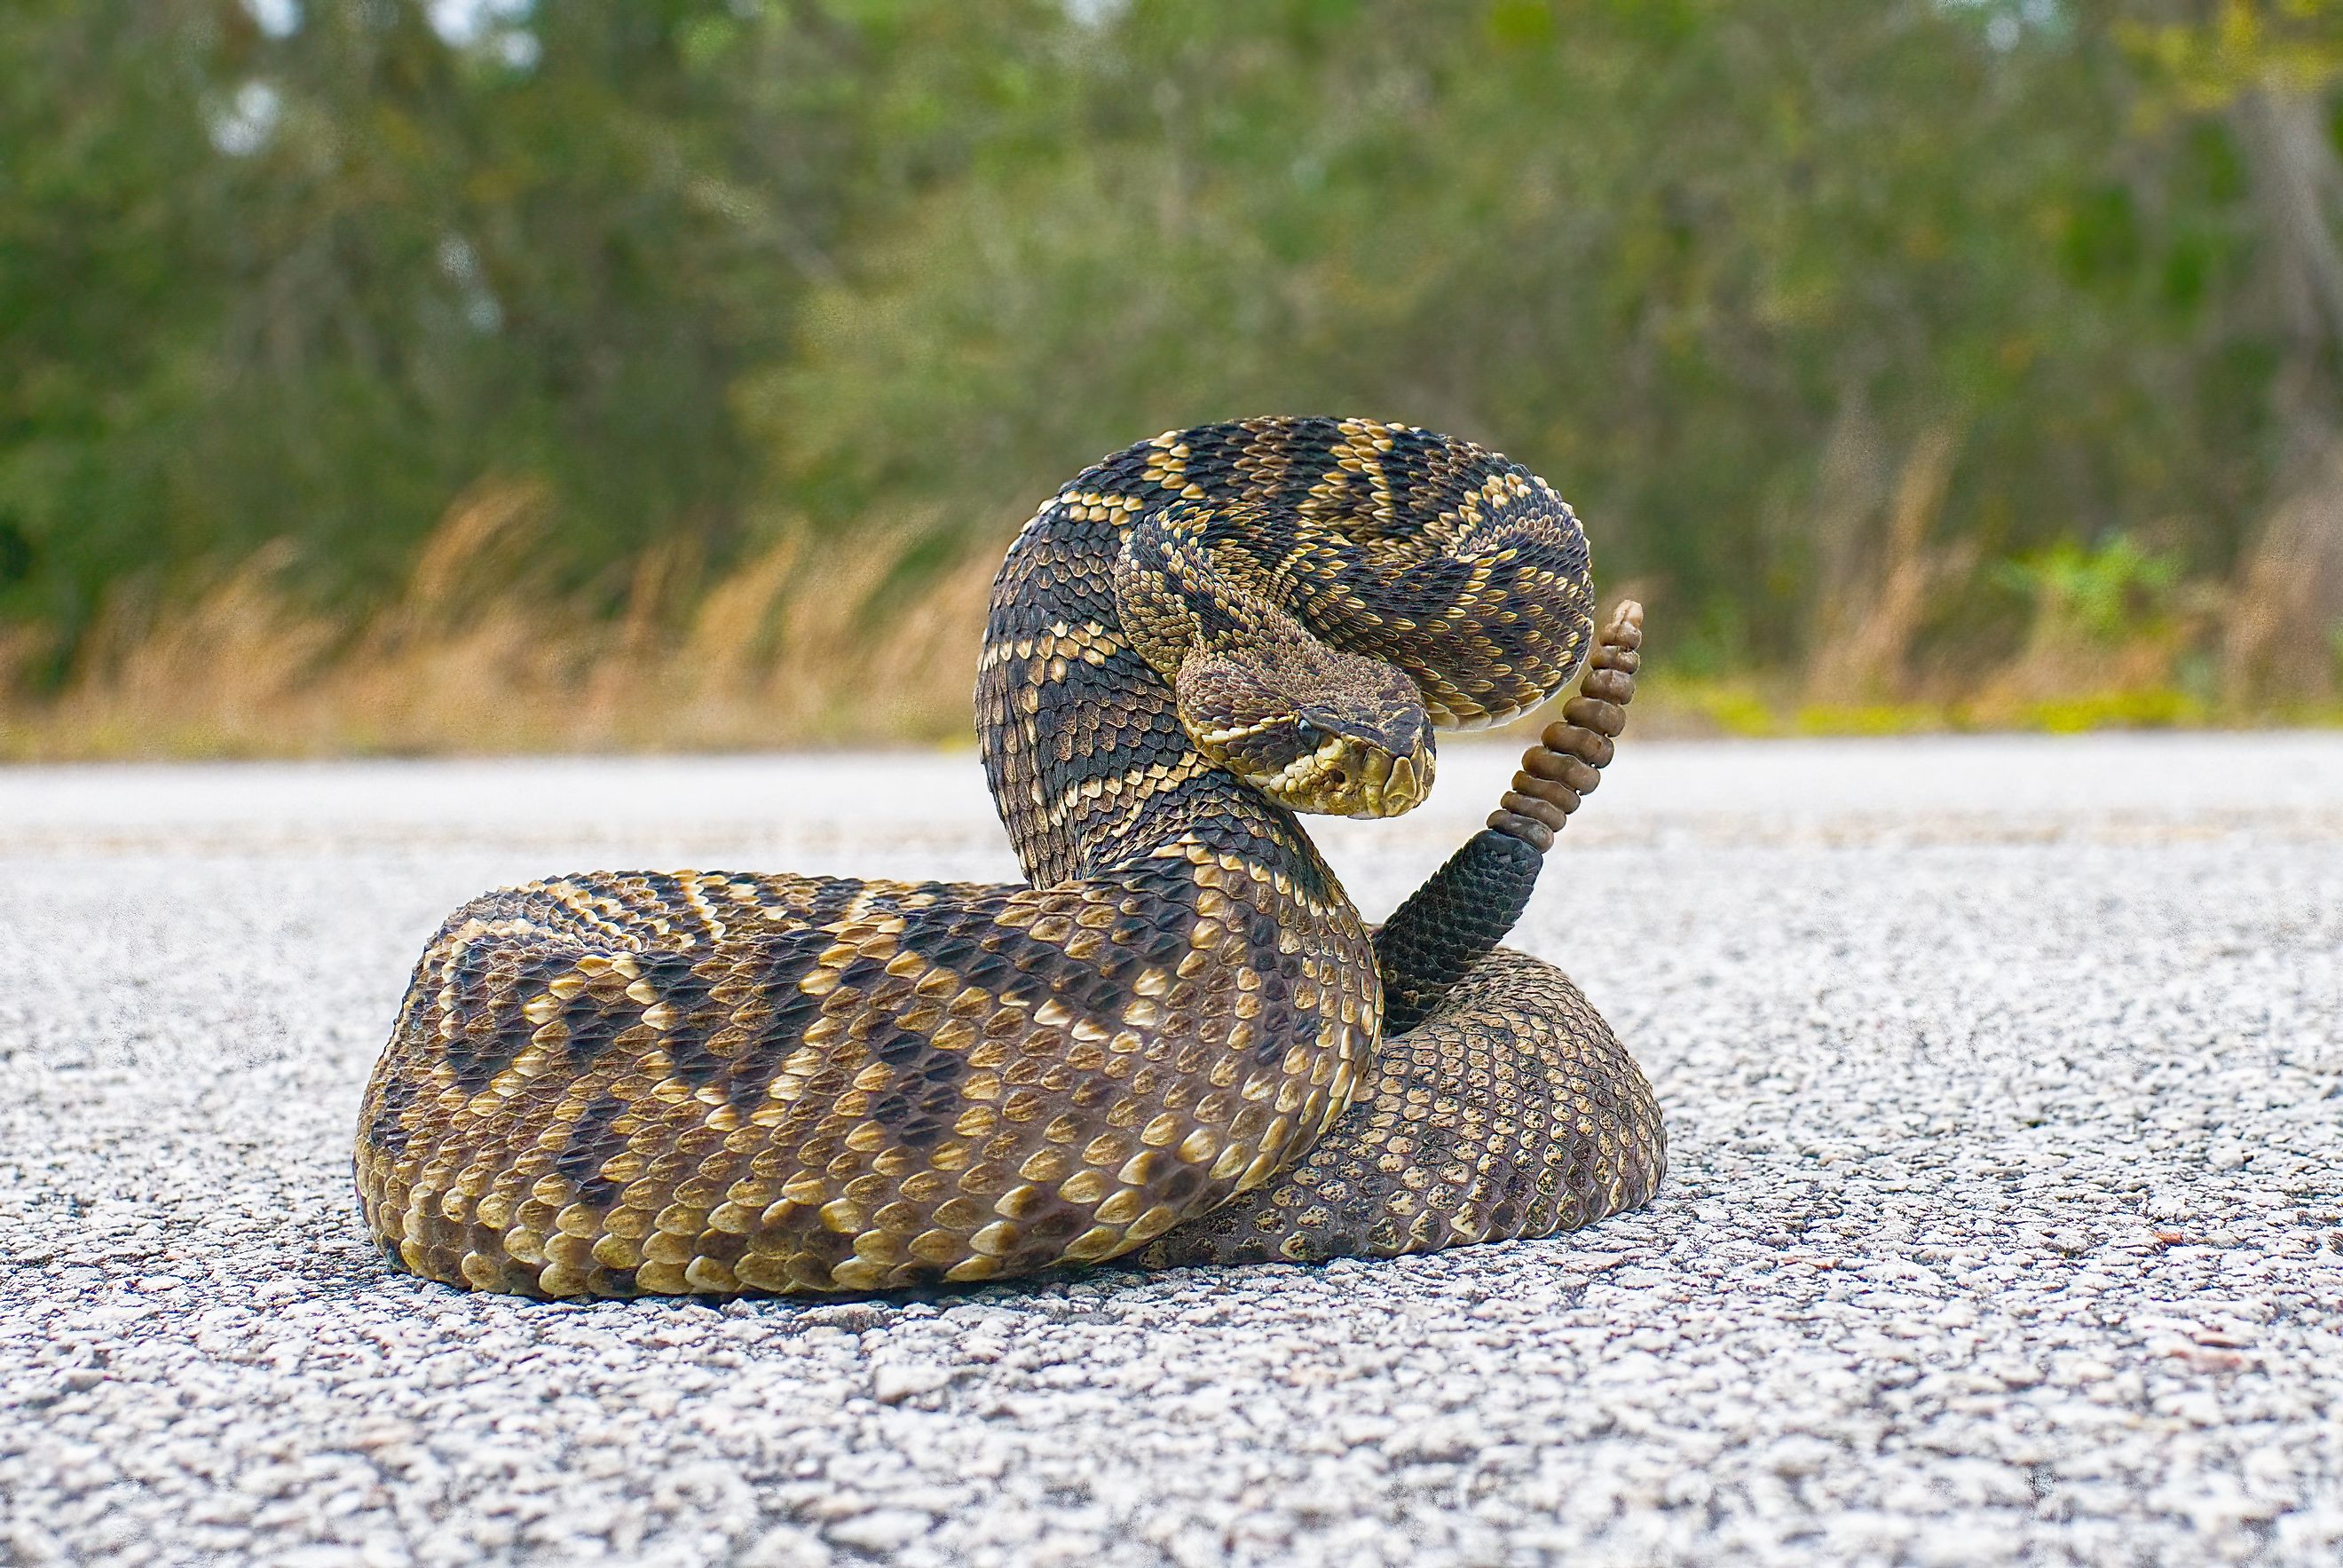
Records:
x=1310, y=727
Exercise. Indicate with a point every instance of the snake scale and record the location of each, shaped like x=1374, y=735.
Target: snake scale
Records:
x=1179, y=1041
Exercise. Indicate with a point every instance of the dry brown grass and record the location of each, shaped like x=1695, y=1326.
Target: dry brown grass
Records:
x=795, y=646
x=1872, y=613
x=806, y=644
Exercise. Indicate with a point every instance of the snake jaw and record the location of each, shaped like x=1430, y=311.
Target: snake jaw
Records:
x=1350, y=777
x=1341, y=775
x=1394, y=786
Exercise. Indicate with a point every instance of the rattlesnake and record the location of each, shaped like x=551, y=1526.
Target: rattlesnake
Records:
x=1179, y=1041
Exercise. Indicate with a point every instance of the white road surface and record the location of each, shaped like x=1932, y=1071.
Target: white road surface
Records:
x=2004, y=1080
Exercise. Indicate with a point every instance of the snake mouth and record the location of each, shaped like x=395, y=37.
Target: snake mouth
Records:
x=1344, y=778
x=1388, y=786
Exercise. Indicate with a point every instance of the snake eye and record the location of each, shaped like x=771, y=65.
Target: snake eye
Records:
x=1308, y=733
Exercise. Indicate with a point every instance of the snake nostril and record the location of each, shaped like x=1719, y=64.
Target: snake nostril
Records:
x=1338, y=779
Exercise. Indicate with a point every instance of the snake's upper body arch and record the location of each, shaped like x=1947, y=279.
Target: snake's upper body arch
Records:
x=632, y=1082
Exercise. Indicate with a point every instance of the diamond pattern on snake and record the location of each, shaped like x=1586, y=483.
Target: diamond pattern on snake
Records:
x=1178, y=1041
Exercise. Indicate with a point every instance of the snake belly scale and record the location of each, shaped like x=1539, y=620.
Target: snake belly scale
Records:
x=1170, y=1042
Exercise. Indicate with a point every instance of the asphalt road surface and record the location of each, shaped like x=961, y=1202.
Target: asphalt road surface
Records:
x=2004, y=1080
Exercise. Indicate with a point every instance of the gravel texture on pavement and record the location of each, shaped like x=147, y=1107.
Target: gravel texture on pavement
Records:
x=2004, y=1080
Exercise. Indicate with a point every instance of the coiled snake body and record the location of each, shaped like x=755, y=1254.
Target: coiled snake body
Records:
x=1179, y=1041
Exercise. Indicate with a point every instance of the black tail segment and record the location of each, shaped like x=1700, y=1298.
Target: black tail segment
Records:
x=1464, y=909
x=1448, y=924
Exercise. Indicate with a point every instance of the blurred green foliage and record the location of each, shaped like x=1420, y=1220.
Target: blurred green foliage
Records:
x=708, y=273
x=2100, y=594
